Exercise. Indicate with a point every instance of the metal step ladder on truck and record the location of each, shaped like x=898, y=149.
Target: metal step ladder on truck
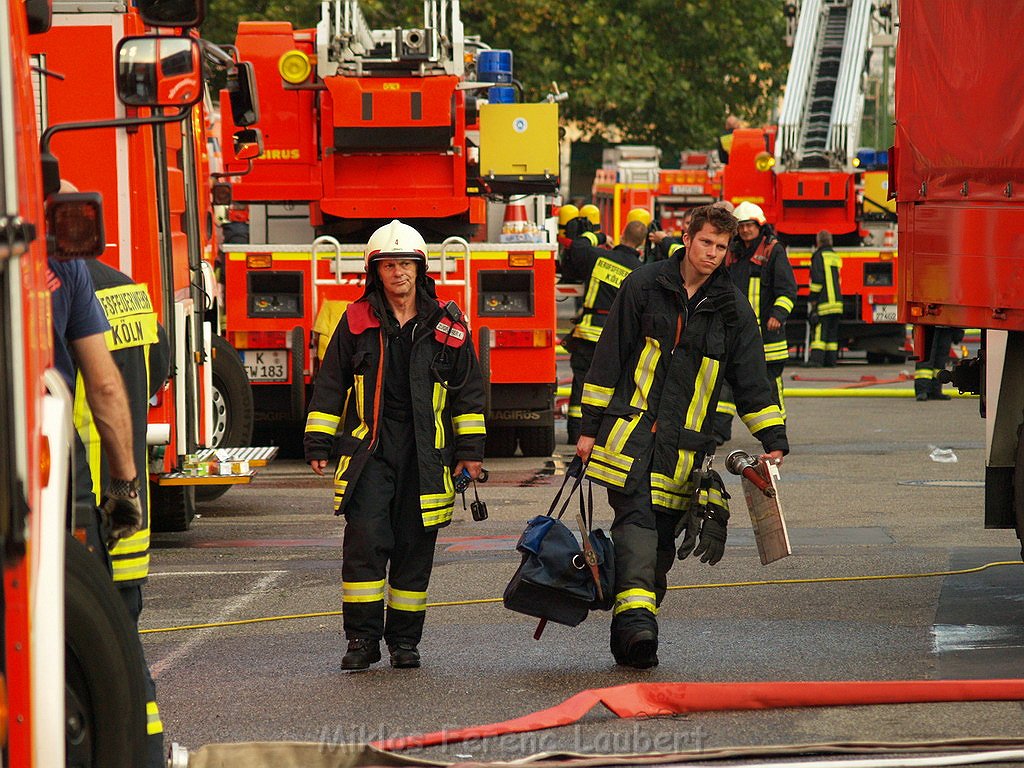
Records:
x=71, y=662
x=804, y=173
x=362, y=126
x=957, y=170
x=145, y=152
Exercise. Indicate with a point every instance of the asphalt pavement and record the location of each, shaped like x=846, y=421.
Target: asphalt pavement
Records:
x=864, y=497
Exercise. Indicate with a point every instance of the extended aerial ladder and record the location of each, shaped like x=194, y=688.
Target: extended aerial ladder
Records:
x=819, y=125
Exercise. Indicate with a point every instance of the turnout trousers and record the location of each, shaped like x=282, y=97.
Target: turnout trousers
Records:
x=644, y=553
x=383, y=525
x=825, y=340
x=580, y=359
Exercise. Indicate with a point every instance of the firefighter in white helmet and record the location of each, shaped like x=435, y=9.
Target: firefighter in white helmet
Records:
x=399, y=401
x=760, y=268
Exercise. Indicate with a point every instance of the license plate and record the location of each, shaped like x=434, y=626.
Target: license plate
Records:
x=266, y=365
x=687, y=189
x=883, y=313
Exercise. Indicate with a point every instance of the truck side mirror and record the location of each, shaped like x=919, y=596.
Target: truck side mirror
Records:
x=39, y=15
x=241, y=88
x=159, y=71
x=74, y=225
x=248, y=144
x=172, y=13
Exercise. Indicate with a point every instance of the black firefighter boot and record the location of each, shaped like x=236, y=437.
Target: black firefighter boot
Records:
x=361, y=654
x=404, y=656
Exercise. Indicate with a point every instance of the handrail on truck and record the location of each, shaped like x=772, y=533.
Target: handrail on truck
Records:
x=467, y=281
x=325, y=240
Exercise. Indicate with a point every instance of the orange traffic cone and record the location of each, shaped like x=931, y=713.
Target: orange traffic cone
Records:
x=516, y=220
x=889, y=241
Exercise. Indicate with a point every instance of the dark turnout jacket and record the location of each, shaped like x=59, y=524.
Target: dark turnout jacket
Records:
x=656, y=377
x=764, y=275
x=349, y=391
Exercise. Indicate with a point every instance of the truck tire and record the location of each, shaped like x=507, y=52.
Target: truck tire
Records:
x=501, y=442
x=104, y=690
x=171, y=507
x=537, y=441
x=233, y=417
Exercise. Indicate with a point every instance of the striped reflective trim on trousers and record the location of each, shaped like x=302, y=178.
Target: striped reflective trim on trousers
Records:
x=362, y=591
x=635, y=598
x=925, y=373
x=154, y=724
x=405, y=600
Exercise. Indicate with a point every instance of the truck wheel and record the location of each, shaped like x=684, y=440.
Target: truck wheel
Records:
x=537, y=441
x=501, y=442
x=233, y=417
x=104, y=691
x=172, y=507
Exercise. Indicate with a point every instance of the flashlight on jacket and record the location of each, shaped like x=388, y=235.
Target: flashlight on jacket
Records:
x=742, y=463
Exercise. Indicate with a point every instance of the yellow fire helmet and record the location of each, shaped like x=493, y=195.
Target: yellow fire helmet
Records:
x=591, y=212
x=639, y=214
x=567, y=213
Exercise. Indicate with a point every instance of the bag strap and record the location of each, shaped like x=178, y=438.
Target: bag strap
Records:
x=577, y=470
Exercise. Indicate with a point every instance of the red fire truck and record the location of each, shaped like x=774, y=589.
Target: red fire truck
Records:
x=71, y=665
x=957, y=171
x=146, y=154
x=364, y=125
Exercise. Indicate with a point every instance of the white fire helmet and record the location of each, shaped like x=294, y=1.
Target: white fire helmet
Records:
x=395, y=240
x=748, y=211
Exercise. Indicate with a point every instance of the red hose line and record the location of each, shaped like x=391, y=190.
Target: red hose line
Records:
x=658, y=699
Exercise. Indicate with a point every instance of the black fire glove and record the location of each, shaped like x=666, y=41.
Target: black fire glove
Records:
x=122, y=509
x=705, y=525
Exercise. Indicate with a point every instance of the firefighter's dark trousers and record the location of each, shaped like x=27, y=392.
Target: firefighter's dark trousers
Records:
x=925, y=371
x=644, y=553
x=825, y=340
x=580, y=359
x=727, y=407
x=131, y=596
x=383, y=524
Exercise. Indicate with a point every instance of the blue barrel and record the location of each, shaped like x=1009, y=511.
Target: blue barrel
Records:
x=501, y=94
x=494, y=66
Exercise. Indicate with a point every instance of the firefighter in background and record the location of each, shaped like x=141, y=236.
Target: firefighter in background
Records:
x=603, y=270
x=938, y=340
x=399, y=399
x=825, y=302
x=236, y=228
x=140, y=351
x=676, y=331
x=760, y=268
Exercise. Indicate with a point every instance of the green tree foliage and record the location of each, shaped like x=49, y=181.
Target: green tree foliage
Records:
x=664, y=72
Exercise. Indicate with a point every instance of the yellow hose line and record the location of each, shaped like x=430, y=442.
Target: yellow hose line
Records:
x=482, y=601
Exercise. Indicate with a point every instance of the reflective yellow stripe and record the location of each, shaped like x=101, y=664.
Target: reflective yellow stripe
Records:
x=154, y=724
x=767, y=417
x=130, y=568
x=703, y=386
x=357, y=386
x=621, y=431
x=635, y=598
x=361, y=431
x=776, y=350
x=340, y=486
x=362, y=591
x=597, y=395
x=90, y=436
x=590, y=237
x=617, y=460
x=439, y=400
x=586, y=330
x=643, y=375
x=137, y=542
x=814, y=288
x=726, y=407
x=593, y=286
x=830, y=307
x=404, y=600
x=675, y=501
x=784, y=302
x=754, y=296
x=469, y=424
x=575, y=412
x=924, y=373
x=327, y=423
x=781, y=389
x=435, y=517
x=673, y=248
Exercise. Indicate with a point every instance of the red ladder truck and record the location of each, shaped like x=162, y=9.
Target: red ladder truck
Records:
x=362, y=126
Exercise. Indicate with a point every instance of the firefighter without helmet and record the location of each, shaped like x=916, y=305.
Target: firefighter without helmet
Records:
x=591, y=212
x=394, y=240
x=747, y=211
x=639, y=214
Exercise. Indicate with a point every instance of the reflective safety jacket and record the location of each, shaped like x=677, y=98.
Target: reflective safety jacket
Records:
x=657, y=373
x=349, y=392
x=133, y=335
x=604, y=270
x=825, y=291
x=764, y=275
